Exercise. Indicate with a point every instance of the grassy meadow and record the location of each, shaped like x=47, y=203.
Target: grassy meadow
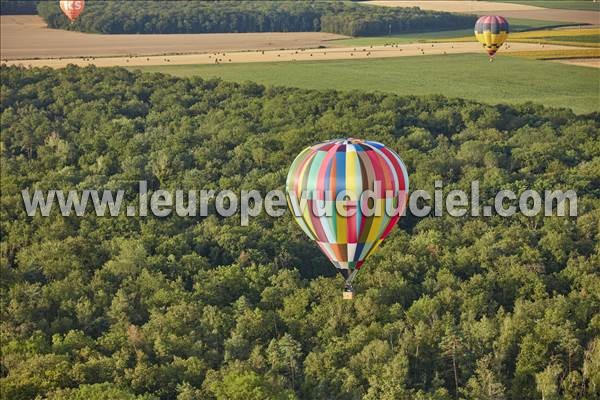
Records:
x=506, y=80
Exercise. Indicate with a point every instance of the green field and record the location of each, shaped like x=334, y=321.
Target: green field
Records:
x=406, y=38
x=507, y=80
x=516, y=25
x=595, y=38
x=588, y=5
x=519, y=25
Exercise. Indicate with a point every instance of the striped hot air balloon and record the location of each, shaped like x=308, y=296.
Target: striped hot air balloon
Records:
x=347, y=195
x=72, y=9
x=491, y=31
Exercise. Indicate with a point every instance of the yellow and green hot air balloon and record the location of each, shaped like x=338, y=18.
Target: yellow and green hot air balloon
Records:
x=491, y=31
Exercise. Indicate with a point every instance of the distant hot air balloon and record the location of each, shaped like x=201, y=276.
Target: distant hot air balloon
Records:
x=72, y=9
x=491, y=31
x=373, y=173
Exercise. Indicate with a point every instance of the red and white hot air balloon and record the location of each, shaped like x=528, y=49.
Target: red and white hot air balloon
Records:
x=72, y=8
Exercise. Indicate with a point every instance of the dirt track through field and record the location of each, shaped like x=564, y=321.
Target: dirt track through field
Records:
x=339, y=53
x=508, y=10
x=26, y=36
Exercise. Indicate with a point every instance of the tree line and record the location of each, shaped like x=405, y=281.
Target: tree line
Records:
x=203, y=308
x=250, y=16
x=18, y=7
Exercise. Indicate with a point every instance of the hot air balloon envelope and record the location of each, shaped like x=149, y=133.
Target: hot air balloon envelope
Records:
x=347, y=195
x=72, y=9
x=491, y=31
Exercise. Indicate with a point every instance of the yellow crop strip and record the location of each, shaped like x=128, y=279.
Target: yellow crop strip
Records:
x=558, y=42
x=547, y=33
x=542, y=36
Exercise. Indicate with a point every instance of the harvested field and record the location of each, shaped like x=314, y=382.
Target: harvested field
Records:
x=582, y=62
x=315, y=54
x=570, y=53
x=26, y=36
x=509, y=10
x=547, y=14
x=455, y=6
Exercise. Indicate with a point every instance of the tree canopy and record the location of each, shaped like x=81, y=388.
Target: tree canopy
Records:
x=251, y=16
x=16, y=7
x=203, y=308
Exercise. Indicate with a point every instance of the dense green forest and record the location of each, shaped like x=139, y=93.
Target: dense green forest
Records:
x=203, y=308
x=16, y=7
x=251, y=16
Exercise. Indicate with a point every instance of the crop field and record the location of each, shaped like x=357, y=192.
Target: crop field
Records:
x=576, y=37
x=292, y=55
x=400, y=39
x=593, y=38
x=584, y=62
x=521, y=24
x=557, y=54
x=507, y=80
x=587, y=5
x=586, y=37
x=26, y=37
x=547, y=33
x=455, y=6
x=531, y=10
x=516, y=25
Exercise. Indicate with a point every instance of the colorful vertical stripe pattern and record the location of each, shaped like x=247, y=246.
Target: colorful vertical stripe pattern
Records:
x=321, y=172
x=491, y=31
